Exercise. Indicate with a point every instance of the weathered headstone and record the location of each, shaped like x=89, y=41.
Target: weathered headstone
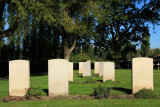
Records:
x=108, y=71
x=96, y=67
x=142, y=74
x=86, y=69
x=80, y=67
x=58, y=73
x=100, y=69
x=19, y=77
x=70, y=71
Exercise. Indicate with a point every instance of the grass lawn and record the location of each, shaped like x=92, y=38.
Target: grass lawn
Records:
x=122, y=85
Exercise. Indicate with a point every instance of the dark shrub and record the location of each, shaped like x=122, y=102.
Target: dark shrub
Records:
x=101, y=92
x=90, y=80
x=81, y=57
x=146, y=94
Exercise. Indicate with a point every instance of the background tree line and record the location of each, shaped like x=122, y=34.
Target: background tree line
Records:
x=76, y=30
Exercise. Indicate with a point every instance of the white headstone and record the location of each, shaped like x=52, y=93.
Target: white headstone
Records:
x=100, y=69
x=88, y=61
x=19, y=77
x=80, y=67
x=58, y=73
x=86, y=69
x=108, y=71
x=142, y=74
x=96, y=67
x=70, y=71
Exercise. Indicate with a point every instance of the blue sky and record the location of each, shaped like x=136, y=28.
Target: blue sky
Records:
x=155, y=37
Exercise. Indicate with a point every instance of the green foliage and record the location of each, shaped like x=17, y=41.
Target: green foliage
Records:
x=145, y=46
x=81, y=57
x=109, y=83
x=101, y=92
x=90, y=80
x=146, y=94
x=33, y=92
x=154, y=52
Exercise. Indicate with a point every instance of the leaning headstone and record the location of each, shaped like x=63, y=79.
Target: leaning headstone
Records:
x=142, y=74
x=58, y=73
x=86, y=69
x=100, y=69
x=19, y=77
x=71, y=71
x=88, y=61
x=108, y=71
x=80, y=67
x=96, y=67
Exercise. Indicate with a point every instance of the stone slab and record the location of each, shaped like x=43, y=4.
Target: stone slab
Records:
x=96, y=67
x=19, y=77
x=80, y=67
x=86, y=69
x=71, y=71
x=100, y=69
x=58, y=74
x=108, y=71
x=88, y=61
x=142, y=74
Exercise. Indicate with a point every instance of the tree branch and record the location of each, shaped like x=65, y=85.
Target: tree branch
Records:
x=73, y=45
x=11, y=30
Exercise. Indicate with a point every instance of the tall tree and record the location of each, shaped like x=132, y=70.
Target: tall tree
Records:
x=69, y=21
x=125, y=23
x=145, y=46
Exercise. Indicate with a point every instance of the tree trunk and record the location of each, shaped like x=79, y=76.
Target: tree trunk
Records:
x=117, y=63
x=117, y=48
x=67, y=50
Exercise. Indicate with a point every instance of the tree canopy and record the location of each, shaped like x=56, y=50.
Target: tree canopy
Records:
x=104, y=29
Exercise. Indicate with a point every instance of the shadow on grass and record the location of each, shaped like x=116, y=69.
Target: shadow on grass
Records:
x=46, y=91
x=4, y=78
x=39, y=74
x=80, y=76
x=94, y=75
x=100, y=80
x=127, y=91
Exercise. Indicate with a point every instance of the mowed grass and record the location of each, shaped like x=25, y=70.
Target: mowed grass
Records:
x=122, y=85
x=85, y=103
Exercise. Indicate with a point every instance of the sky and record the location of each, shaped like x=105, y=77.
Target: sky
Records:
x=155, y=36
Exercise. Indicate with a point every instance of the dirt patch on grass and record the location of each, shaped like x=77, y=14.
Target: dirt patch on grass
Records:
x=45, y=98
x=122, y=96
x=70, y=97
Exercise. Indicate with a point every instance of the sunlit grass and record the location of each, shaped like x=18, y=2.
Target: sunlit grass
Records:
x=122, y=85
